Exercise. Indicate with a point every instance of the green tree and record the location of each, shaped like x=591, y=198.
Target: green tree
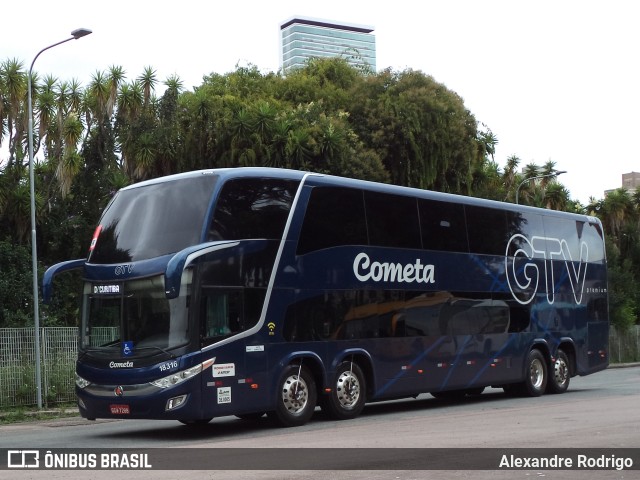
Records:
x=15, y=284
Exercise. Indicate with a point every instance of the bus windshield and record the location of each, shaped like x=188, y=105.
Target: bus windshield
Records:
x=134, y=316
x=152, y=220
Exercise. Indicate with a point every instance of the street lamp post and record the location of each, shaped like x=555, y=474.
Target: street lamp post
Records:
x=552, y=174
x=79, y=33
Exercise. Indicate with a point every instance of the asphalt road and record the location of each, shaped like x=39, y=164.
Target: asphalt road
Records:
x=599, y=411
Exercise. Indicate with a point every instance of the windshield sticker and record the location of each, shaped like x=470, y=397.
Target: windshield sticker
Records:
x=127, y=349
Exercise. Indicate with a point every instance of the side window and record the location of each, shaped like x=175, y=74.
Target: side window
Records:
x=335, y=216
x=443, y=226
x=487, y=229
x=591, y=234
x=227, y=311
x=252, y=208
x=221, y=312
x=527, y=225
x=392, y=220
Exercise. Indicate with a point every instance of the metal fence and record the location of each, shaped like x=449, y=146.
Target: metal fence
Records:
x=58, y=352
x=59, y=346
x=624, y=345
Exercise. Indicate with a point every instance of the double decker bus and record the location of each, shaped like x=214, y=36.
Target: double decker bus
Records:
x=248, y=291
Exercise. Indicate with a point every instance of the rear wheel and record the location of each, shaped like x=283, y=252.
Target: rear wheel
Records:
x=347, y=396
x=535, y=378
x=560, y=375
x=296, y=397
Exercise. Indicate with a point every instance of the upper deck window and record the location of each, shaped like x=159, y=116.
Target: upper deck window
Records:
x=253, y=208
x=153, y=220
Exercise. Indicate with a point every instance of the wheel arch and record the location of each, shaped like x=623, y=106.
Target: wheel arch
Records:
x=543, y=347
x=310, y=360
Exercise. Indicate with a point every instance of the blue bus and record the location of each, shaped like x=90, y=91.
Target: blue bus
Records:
x=247, y=291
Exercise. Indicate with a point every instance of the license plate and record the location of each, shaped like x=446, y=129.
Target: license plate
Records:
x=119, y=409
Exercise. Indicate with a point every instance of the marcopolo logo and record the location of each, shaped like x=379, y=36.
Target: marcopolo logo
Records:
x=365, y=270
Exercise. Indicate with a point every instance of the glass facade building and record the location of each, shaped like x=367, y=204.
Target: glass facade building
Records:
x=305, y=38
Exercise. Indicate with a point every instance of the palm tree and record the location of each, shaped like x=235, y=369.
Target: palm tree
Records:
x=15, y=89
x=548, y=169
x=298, y=148
x=278, y=142
x=148, y=81
x=74, y=96
x=45, y=107
x=527, y=189
x=509, y=176
x=116, y=76
x=556, y=196
x=71, y=162
x=617, y=208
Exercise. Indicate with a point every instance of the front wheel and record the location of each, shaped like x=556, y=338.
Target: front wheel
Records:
x=560, y=375
x=535, y=378
x=296, y=397
x=347, y=396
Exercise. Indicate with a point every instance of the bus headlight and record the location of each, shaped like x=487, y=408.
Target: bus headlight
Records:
x=178, y=377
x=81, y=382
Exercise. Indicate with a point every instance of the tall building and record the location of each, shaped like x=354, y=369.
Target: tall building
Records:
x=630, y=182
x=303, y=38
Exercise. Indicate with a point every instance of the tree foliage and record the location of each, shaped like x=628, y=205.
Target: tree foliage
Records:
x=399, y=127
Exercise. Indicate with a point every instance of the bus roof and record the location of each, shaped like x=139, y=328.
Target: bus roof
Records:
x=318, y=179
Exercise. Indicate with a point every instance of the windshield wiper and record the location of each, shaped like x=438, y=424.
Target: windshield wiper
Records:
x=90, y=350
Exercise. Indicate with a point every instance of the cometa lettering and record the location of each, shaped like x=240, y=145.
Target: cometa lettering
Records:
x=366, y=270
x=121, y=365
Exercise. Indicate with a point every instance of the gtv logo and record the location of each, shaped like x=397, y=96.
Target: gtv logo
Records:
x=523, y=274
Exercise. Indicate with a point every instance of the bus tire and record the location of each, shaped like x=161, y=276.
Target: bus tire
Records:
x=560, y=374
x=297, y=397
x=348, y=392
x=535, y=377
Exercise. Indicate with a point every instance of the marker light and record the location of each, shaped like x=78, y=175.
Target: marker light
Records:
x=81, y=382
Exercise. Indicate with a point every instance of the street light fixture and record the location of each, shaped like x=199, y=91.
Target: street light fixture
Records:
x=78, y=33
x=552, y=174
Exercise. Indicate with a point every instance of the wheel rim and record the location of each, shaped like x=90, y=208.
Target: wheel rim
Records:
x=295, y=394
x=561, y=371
x=348, y=390
x=536, y=373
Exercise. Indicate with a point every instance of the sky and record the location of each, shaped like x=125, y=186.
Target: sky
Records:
x=554, y=80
